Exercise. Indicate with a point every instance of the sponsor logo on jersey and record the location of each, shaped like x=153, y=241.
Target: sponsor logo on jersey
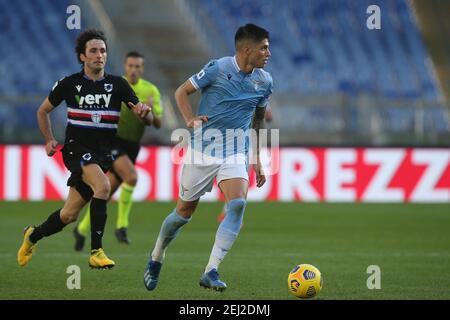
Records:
x=94, y=99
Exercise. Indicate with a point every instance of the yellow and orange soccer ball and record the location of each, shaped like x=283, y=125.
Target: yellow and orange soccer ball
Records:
x=305, y=281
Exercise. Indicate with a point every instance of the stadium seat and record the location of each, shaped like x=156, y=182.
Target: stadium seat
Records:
x=313, y=37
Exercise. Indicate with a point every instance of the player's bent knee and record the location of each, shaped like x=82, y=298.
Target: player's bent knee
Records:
x=102, y=191
x=237, y=205
x=185, y=212
x=67, y=216
x=131, y=180
x=186, y=208
x=69, y=219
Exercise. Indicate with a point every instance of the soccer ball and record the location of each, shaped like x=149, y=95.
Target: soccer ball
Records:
x=305, y=281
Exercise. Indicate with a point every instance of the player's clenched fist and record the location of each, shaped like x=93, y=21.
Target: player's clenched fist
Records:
x=196, y=121
x=50, y=147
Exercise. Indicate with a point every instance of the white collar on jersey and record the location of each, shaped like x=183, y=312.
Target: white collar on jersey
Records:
x=235, y=64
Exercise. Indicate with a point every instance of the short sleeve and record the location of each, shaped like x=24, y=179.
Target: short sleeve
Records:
x=57, y=94
x=265, y=100
x=157, y=107
x=127, y=93
x=206, y=76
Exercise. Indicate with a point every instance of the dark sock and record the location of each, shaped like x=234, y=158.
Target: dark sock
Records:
x=98, y=221
x=52, y=225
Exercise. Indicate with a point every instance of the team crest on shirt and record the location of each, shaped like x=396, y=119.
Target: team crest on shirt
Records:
x=96, y=117
x=257, y=84
x=108, y=87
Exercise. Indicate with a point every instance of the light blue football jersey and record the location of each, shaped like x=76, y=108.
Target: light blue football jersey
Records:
x=229, y=99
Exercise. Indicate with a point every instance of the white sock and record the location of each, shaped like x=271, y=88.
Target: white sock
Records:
x=169, y=230
x=226, y=233
x=224, y=242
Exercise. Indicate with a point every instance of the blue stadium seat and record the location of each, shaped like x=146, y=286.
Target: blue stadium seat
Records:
x=42, y=53
x=328, y=40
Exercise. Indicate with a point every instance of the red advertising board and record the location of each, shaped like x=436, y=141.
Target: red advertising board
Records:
x=300, y=174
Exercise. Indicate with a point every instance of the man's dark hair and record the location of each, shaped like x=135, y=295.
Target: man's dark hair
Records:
x=134, y=54
x=250, y=32
x=86, y=36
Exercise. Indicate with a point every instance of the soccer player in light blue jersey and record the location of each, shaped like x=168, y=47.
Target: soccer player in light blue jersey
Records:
x=235, y=92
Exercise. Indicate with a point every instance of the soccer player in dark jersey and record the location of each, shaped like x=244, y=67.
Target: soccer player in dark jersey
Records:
x=93, y=103
x=126, y=149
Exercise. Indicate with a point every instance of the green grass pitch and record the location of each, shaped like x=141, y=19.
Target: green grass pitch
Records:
x=409, y=242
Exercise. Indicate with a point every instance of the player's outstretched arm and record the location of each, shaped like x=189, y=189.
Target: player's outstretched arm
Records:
x=43, y=118
x=182, y=99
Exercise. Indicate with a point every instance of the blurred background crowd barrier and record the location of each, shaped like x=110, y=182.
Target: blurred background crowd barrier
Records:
x=337, y=83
